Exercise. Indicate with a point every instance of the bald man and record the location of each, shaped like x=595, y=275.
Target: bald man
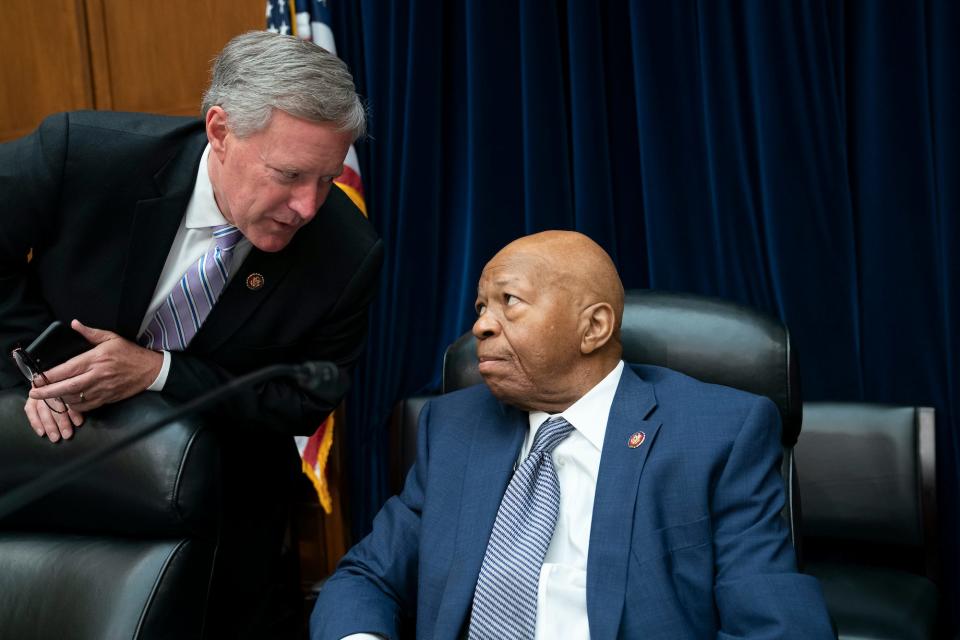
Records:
x=574, y=496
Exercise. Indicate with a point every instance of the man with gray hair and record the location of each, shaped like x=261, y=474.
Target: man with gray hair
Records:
x=188, y=252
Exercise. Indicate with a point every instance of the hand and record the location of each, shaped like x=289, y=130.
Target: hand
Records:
x=47, y=422
x=113, y=370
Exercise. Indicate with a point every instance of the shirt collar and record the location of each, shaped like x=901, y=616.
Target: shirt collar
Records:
x=590, y=413
x=202, y=210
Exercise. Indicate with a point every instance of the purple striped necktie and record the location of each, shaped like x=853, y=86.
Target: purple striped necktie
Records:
x=189, y=303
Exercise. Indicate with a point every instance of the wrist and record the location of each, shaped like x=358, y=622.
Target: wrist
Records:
x=160, y=372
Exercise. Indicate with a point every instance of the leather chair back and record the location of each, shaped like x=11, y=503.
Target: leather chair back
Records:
x=123, y=551
x=403, y=438
x=869, y=482
x=869, y=517
x=707, y=338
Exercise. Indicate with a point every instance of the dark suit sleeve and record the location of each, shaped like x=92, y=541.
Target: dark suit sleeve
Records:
x=30, y=172
x=758, y=592
x=280, y=404
x=375, y=585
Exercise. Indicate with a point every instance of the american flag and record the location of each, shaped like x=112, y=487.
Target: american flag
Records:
x=310, y=20
x=278, y=17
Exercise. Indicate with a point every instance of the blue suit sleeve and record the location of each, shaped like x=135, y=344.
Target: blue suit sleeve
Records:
x=758, y=592
x=375, y=585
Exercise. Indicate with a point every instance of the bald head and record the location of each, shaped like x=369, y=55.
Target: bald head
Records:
x=573, y=262
x=549, y=308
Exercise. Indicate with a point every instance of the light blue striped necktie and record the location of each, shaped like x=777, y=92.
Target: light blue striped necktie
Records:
x=505, y=602
x=178, y=319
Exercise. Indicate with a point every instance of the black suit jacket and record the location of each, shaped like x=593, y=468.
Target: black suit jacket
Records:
x=98, y=198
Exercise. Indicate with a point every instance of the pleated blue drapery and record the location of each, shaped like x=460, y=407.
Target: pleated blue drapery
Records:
x=800, y=157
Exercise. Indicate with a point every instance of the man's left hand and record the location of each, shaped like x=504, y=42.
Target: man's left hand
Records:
x=113, y=370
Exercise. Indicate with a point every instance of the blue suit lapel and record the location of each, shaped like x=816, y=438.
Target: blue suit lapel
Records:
x=494, y=448
x=614, y=502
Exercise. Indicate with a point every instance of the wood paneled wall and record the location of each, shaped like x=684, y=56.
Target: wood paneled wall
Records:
x=60, y=55
x=44, y=63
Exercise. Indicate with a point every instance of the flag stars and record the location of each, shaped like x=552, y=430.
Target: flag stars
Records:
x=278, y=21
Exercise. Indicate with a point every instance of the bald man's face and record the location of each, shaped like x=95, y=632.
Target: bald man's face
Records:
x=527, y=338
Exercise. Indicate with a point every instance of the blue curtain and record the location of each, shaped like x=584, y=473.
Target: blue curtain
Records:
x=800, y=157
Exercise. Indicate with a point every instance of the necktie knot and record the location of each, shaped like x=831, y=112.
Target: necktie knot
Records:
x=552, y=432
x=226, y=236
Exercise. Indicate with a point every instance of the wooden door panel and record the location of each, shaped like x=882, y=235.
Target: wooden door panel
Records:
x=46, y=65
x=157, y=55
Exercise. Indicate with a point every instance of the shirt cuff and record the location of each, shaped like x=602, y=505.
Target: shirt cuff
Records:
x=162, y=376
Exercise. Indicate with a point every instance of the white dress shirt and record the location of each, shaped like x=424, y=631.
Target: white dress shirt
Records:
x=193, y=239
x=562, y=590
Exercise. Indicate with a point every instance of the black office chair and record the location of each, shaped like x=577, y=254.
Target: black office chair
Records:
x=707, y=338
x=867, y=475
x=124, y=551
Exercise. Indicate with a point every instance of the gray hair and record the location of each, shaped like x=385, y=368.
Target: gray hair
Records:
x=260, y=71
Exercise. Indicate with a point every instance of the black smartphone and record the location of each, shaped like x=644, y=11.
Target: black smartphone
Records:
x=57, y=344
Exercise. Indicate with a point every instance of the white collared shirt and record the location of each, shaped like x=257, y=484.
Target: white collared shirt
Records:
x=193, y=239
x=562, y=590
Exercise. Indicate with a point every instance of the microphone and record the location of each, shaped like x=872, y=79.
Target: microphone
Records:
x=317, y=377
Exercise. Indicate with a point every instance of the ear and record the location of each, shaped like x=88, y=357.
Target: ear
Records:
x=217, y=130
x=597, y=327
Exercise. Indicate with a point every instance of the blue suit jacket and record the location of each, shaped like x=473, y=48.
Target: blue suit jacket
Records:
x=687, y=540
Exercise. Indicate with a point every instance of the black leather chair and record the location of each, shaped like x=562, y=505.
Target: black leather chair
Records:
x=124, y=551
x=710, y=339
x=867, y=475
x=403, y=438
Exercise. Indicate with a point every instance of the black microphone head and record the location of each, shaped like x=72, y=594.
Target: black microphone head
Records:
x=318, y=376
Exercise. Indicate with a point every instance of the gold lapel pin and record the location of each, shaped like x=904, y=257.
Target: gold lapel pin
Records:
x=636, y=439
x=255, y=281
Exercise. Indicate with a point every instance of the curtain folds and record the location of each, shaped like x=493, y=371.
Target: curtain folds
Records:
x=799, y=157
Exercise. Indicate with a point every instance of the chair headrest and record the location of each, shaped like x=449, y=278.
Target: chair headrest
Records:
x=710, y=339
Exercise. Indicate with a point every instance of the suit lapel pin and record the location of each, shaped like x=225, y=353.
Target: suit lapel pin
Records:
x=255, y=281
x=636, y=439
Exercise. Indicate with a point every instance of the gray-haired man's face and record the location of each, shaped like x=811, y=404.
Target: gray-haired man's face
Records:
x=272, y=182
